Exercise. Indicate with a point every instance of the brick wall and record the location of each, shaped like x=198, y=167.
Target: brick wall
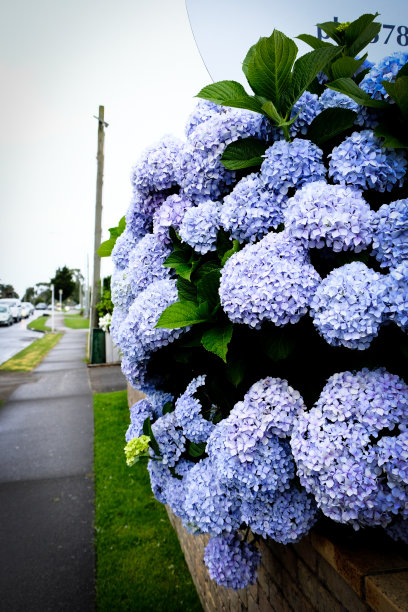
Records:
x=330, y=570
x=336, y=573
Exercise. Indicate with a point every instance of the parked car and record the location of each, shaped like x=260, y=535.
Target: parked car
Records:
x=6, y=318
x=27, y=309
x=41, y=306
x=14, y=305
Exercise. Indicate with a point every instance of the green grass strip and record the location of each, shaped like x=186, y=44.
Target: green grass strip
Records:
x=75, y=323
x=140, y=565
x=32, y=355
x=40, y=324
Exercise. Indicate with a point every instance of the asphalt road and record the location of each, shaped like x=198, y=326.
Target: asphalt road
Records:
x=16, y=337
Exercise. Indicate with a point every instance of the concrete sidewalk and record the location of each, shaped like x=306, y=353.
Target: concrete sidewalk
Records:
x=46, y=486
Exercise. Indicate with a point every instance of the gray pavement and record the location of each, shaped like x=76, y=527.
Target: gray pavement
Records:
x=13, y=339
x=46, y=486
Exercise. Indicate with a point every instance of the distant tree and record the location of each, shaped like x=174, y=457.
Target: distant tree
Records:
x=29, y=295
x=7, y=291
x=63, y=280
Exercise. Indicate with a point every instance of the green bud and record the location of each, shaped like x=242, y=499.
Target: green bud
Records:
x=136, y=448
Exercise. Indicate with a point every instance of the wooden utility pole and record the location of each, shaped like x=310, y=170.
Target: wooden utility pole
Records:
x=98, y=218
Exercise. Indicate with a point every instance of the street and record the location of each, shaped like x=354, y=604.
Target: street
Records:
x=16, y=337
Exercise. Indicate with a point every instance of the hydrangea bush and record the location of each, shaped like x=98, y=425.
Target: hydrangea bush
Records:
x=261, y=301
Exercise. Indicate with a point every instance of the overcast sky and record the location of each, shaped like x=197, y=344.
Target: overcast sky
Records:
x=59, y=61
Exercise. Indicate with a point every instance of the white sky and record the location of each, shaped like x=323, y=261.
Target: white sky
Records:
x=59, y=61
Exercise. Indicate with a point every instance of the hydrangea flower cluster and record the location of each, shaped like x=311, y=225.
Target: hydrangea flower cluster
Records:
x=385, y=70
x=306, y=108
x=156, y=169
x=259, y=284
x=170, y=214
x=201, y=175
x=250, y=211
x=231, y=562
x=170, y=438
x=200, y=225
x=291, y=164
x=360, y=160
x=188, y=413
x=329, y=215
x=146, y=263
x=350, y=305
x=345, y=448
x=397, y=298
x=203, y=111
x=121, y=289
x=122, y=249
x=390, y=240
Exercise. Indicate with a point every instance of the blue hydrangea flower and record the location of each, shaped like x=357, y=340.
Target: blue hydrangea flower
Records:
x=156, y=398
x=146, y=263
x=384, y=70
x=291, y=164
x=366, y=117
x=160, y=476
x=138, y=336
x=121, y=290
x=157, y=167
x=397, y=298
x=203, y=111
x=118, y=317
x=231, y=562
x=140, y=212
x=170, y=214
x=329, y=215
x=201, y=174
x=390, y=240
x=188, y=413
x=175, y=494
x=139, y=412
x=286, y=518
x=266, y=469
x=200, y=226
x=250, y=211
x=360, y=160
x=123, y=246
x=169, y=436
x=264, y=283
x=339, y=447
x=349, y=306
x=133, y=369
x=308, y=106
x=210, y=506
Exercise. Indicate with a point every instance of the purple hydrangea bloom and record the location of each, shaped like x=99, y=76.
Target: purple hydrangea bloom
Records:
x=146, y=263
x=170, y=214
x=397, y=298
x=123, y=246
x=390, y=240
x=157, y=167
x=268, y=468
x=121, y=290
x=133, y=369
x=360, y=160
x=183, y=466
x=118, y=317
x=156, y=398
x=285, y=519
x=169, y=436
x=139, y=412
x=140, y=212
x=138, y=336
x=385, y=70
x=200, y=226
x=250, y=211
x=329, y=215
x=188, y=413
x=201, y=175
x=210, y=506
x=263, y=282
x=349, y=306
x=335, y=99
x=203, y=111
x=231, y=562
x=308, y=106
x=393, y=459
x=160, y=476
x=339, y=447
x=175, y=494
x=291, y=164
